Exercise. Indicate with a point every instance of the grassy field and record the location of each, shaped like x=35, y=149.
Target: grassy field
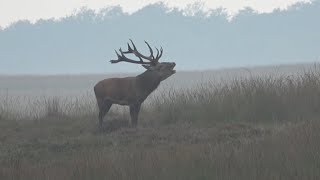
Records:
x=249, y=128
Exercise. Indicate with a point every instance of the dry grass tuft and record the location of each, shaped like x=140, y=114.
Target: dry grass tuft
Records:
x=255, y=100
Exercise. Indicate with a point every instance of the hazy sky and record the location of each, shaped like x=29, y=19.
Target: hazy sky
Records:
x=84, y=43
x=32, y=10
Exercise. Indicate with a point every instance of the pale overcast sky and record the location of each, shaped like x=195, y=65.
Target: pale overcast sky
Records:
x=32, y=10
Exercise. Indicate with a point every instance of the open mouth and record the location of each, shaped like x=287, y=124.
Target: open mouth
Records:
x=173, y=71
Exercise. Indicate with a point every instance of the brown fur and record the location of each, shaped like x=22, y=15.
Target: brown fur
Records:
x=126, y=91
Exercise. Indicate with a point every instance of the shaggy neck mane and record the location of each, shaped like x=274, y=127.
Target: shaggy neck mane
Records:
x=148, y=81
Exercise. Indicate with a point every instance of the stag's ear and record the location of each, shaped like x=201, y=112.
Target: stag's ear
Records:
x=146, y=66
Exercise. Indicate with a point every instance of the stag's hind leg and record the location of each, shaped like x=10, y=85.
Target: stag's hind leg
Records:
x=134, y=113
x=104, y=108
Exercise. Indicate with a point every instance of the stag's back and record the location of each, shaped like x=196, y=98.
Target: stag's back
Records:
x=117, y=90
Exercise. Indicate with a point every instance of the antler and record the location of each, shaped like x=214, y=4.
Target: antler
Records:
x=153, y=60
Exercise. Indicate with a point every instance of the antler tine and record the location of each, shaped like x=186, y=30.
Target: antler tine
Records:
x=134, y=46
x=157, y=53
x=130, y=50
x=115, y=61
x=161, y=51
x=117, y=53
x=122, y=53
x=150, y=49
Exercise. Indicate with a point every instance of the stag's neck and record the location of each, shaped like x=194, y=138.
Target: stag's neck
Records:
x=148, y=82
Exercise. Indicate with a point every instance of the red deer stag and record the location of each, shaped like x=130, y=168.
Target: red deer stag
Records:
x=132, y=91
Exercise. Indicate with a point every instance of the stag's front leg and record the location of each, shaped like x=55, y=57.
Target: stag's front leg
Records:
x=134, y=113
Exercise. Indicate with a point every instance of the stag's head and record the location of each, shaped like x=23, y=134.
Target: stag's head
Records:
x=160, y=69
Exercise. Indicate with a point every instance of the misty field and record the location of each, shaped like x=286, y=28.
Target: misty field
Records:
x=250, y=126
